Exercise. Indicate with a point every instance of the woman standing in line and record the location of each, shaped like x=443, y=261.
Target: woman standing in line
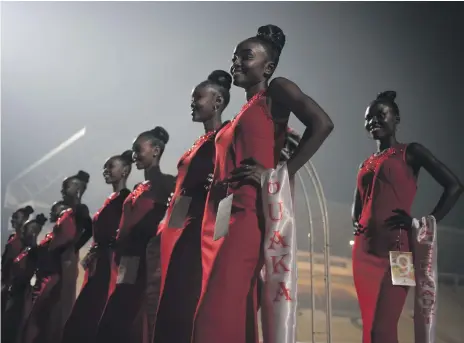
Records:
x=100, y=269
x=181, y=231
x=386, y=187
x=13, y=248
x=142, y=211
x=248, y=145
x=45, y=322
x=22, y=270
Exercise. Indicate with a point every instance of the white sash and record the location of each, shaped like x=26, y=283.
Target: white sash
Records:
x=279, y=295
x=425, y=265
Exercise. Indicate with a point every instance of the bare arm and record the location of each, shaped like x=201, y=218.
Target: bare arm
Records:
x=356, y=208
x=287, y=95
x=420, y=157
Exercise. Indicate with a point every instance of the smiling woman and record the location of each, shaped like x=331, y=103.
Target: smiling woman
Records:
x=245, y=147
x=386, y=188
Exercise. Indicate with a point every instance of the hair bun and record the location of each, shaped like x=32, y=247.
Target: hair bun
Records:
x=161, y=133
x=41, y=219
x=221, y=78
x=83, y=176
x=126, y=156
x=272, y=34
x=387, y=95
x=28, y=210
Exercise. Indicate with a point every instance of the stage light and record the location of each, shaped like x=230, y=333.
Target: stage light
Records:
x=351, y=243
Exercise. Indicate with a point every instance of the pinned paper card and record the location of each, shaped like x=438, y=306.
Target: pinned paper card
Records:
x=128, y=270
x=179, y=212
x=402, y=268
x=221, y=228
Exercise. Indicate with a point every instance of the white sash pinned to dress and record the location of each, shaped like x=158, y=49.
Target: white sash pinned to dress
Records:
x=425, y=266
x=279, y=295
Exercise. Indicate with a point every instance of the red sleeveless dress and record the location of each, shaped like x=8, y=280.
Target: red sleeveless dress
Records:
x=227, y=310
x=82, y=325
x=181, y=247
x=52, y=299
x=125, y=319
x=385, y=182
x=20, y=296
x=12, y=249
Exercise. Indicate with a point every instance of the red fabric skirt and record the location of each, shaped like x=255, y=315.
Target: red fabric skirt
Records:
x=82, y=324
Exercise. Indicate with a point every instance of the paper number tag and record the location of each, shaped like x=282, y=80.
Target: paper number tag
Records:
x=221, y=228
x=179, y=212
x=128, y=270
x=402, y=268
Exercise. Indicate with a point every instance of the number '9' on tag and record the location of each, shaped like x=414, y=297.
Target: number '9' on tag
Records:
x=402, y=268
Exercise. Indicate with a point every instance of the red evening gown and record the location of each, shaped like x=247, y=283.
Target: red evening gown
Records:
x=12, y=249
x=227, y=310
x=385, y=182
x=20, y=296
x=82, y=325
x=181, y=246
x=51, y=297
x=124, y=319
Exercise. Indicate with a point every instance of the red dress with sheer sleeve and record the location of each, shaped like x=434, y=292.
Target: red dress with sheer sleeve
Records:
x=50, y=295
x=124, y=319
x=227, y=310
x=181, y=246
x=82, y=325
x=385, y=183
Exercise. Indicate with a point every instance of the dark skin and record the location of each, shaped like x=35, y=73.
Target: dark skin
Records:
x=146, y=156
x=251, y=69
x=57, y=208
x=17, y=220
x=207, y=107
x=72, y=191
x=116, y=172
x=30, y=233
x=381, y=122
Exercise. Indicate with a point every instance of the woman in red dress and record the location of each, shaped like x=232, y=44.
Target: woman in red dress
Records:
x=13, y=248
x=73, y=188
x=249, y=144
x=100, y=269
x=142, y=212
x=386, y=187
x=181, y=230
x=46, y=319
x=22, y=270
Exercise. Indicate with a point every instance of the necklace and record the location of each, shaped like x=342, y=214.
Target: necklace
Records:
x=248, y=104
x=200, y=140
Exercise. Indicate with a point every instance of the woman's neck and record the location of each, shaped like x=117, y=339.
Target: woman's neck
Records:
x=119, y=186
x=213, y=124
x=386, y=143
x=151, y=173
x=253, y=90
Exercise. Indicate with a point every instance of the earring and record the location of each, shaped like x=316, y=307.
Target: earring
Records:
x=215, y=108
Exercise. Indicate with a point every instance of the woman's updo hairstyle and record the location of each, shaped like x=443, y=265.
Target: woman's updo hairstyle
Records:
x=387, y=98
x=126, y=158
x=40, y=219
x=158, y=137
x=273, y=39
x=221, y=81
x=26, y=211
